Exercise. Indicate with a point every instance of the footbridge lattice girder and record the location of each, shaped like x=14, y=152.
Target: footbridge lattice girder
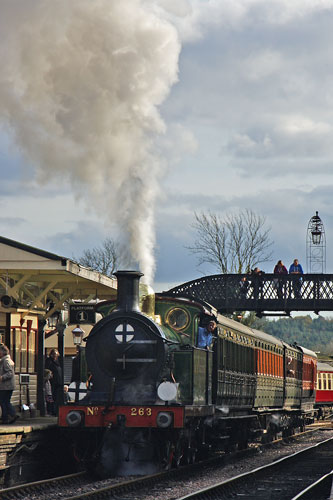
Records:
x=266, y=292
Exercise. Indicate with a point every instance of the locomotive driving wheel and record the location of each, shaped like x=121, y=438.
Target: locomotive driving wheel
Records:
x=167, y=455
x=191, y=454
x=178, y=454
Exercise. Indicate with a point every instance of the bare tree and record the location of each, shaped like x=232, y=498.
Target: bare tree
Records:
x=105, y=259
x=234, y=243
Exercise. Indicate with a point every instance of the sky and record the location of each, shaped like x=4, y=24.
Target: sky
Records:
x=123, y=118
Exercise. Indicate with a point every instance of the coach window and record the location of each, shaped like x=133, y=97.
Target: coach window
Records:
x=324, y=382
x=329, y=381
x=259, y=357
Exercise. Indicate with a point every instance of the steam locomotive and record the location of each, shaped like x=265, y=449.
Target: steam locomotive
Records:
x=156, y=399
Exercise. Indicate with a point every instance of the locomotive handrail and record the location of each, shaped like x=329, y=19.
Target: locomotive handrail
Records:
x=265, y=292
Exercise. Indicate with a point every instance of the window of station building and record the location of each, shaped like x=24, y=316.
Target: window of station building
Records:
x=24, y=350
x=17, y=349
x=24, y=353
x=2, y=335
x=31, y=351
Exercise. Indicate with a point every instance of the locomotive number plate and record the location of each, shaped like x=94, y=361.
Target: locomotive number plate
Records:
x=92, y=410
x=141, y=412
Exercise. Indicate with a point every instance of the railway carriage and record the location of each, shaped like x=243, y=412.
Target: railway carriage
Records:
x=324, y=392
x=309, y=379
x=270, y=389
x=157, y=399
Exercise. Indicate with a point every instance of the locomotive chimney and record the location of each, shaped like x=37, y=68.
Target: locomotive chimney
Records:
x=128, y=290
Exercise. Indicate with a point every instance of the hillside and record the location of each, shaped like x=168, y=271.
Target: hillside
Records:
x=315, y=334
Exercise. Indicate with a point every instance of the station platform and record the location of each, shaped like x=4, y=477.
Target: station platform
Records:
x=30, y=449
x=28, y=424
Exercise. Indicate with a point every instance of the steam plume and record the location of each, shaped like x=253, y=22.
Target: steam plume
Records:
x=80, y=86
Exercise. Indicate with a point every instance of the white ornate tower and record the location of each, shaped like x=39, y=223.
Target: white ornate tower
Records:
x=316, y=246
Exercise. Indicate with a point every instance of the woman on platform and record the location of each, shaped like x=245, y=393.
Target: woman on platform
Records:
x=7, y=385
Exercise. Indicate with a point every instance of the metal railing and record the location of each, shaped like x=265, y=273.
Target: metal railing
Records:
x=265, y=292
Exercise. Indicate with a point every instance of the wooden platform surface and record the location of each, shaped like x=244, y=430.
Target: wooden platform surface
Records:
x=24, y=425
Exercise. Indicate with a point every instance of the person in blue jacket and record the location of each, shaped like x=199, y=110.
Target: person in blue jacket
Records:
x=296, y=268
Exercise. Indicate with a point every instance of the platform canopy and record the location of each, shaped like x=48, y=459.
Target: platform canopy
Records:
x=39, y=281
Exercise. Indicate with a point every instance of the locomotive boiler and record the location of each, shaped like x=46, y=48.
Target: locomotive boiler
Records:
x=156, y=399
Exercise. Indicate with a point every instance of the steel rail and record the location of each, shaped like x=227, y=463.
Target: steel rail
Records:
x=16, y=491
x=320, y=490
x=228, y=489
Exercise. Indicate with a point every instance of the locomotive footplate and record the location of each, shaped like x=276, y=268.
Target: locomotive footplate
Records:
x=128, y=416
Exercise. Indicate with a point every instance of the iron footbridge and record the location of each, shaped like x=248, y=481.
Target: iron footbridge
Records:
x=265, y=294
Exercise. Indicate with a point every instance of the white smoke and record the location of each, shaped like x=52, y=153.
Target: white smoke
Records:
x=80, y=86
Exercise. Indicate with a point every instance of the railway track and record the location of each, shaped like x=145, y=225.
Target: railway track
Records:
x=281, y=480
x=319, y=490
x=117, y=487
x=74, y=486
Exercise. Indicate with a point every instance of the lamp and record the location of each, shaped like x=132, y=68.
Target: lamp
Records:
x=52, y=320
x=316, y=230
x=316, y=245
x=316, y=236
x=77, y=335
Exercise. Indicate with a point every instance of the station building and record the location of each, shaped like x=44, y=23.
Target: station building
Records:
x=36, y=287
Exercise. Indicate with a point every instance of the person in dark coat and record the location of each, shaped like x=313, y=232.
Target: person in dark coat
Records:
x=76, y=368
x=257, y=285
x=52, y=363
x=48, y=398
x=280, y=268
x=243, y=287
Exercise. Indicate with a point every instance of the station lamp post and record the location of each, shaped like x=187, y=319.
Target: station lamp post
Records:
x=77, y=333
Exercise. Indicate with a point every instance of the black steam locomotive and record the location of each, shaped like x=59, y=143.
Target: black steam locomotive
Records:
x=156, y=399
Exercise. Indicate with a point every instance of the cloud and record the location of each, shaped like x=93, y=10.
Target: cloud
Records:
x=248, y=124
x=7, y=222
x=176, y=143
x=195, y=18
x=291, y=136
x=84, y=234
x=80, y=88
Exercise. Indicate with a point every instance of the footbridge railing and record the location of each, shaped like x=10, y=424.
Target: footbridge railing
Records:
x=261, y=293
